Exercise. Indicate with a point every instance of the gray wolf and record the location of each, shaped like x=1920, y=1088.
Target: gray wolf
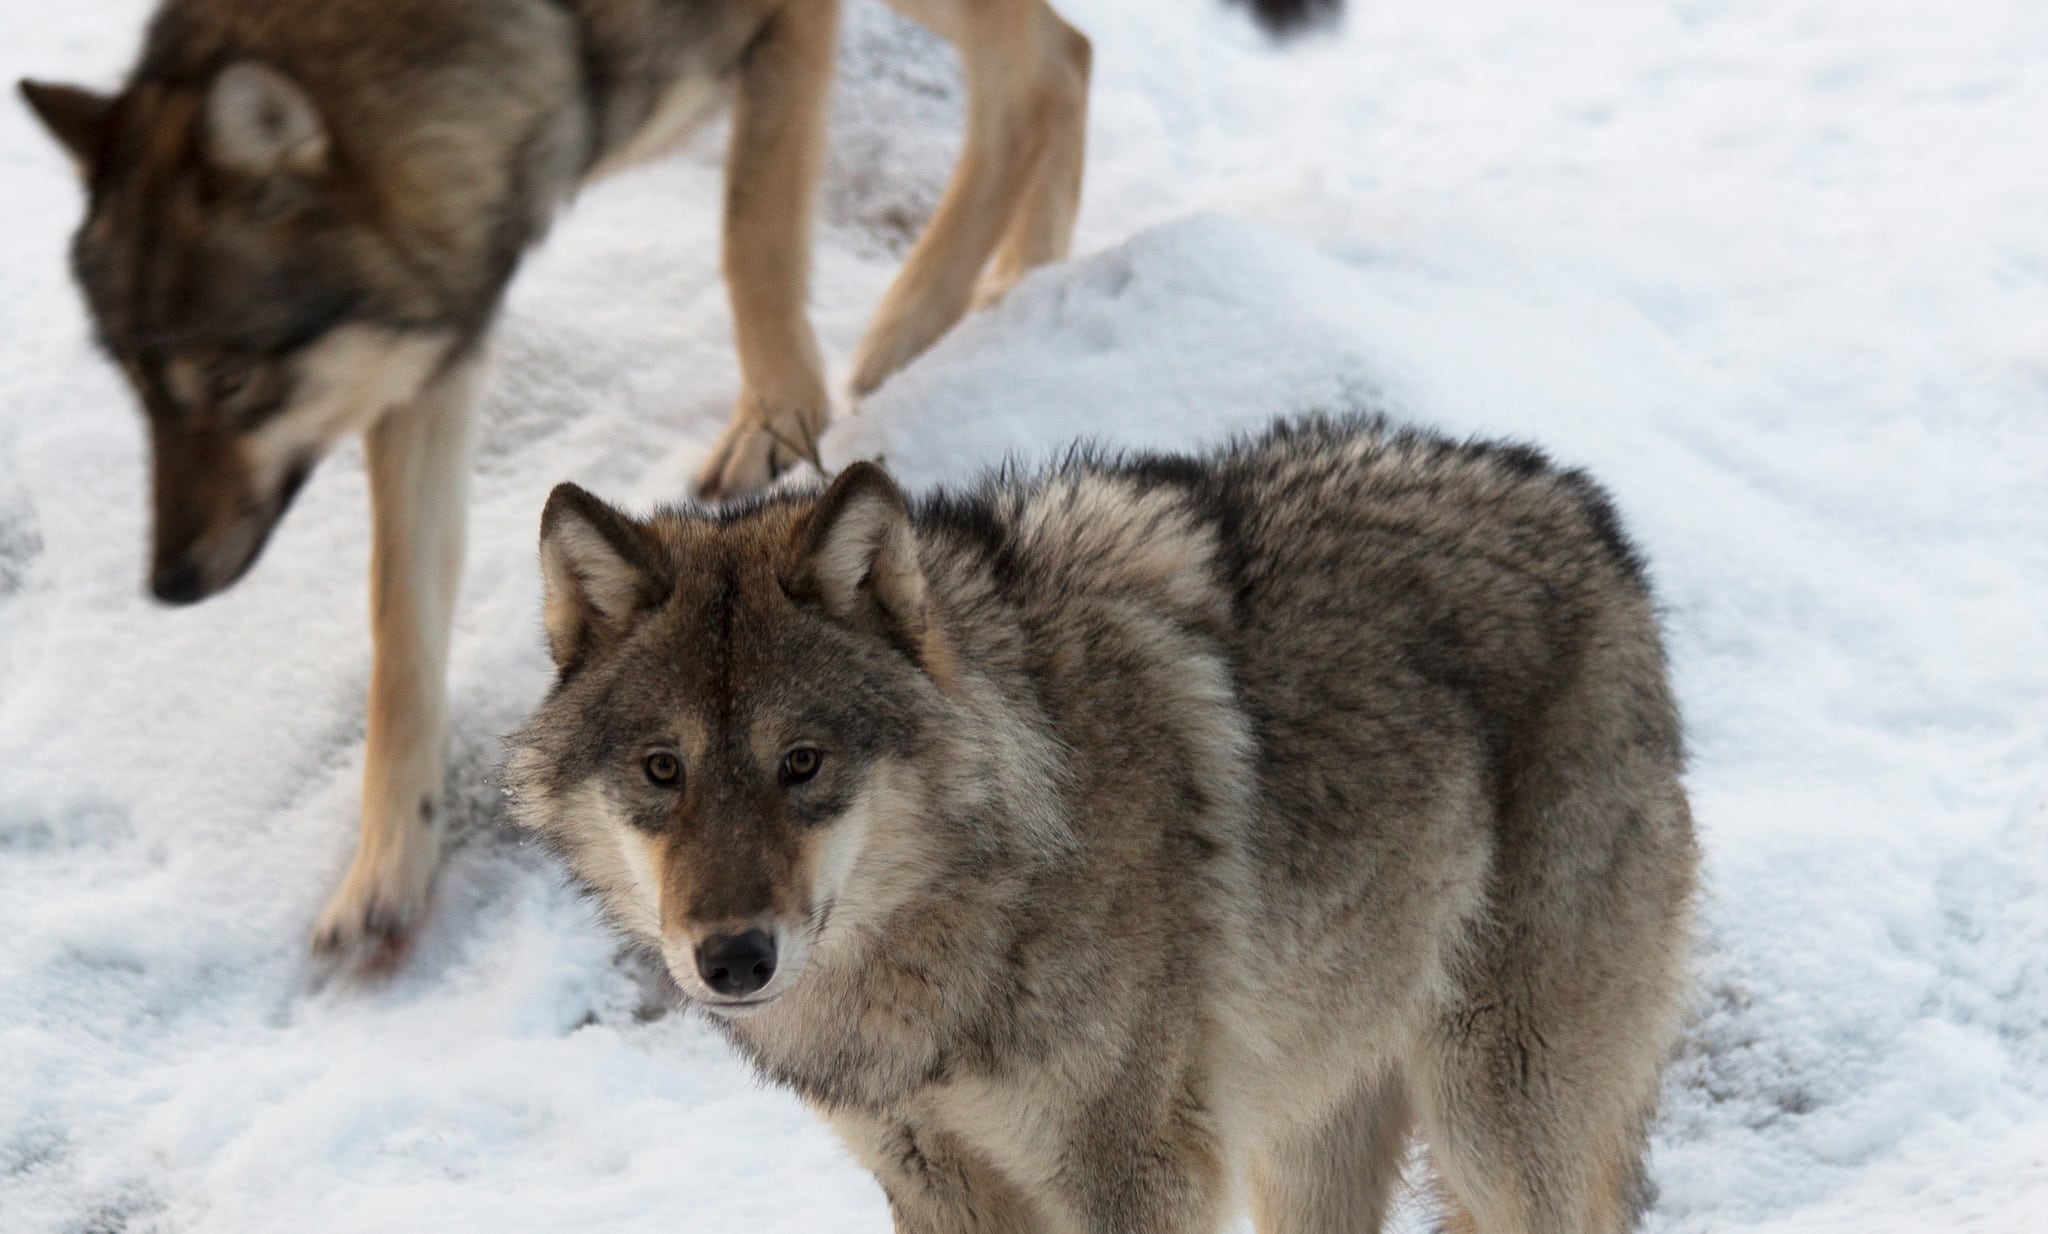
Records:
x=302, y=218
x=1095, y=849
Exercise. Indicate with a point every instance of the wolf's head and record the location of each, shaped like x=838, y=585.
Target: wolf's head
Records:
x=746, y=709
x=282, y=241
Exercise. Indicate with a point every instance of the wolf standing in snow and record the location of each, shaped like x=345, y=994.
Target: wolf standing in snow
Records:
x=303, y=217
x=1084, y=847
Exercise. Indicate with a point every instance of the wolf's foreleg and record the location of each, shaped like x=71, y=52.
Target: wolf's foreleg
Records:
x=1019, y=170
x=1338, y=1175
x=417, y=457
x=1169, y=1181
x=771, y=183
x=935, y=1185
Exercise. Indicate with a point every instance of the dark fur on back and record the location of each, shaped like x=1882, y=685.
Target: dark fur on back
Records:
x=1226, y=492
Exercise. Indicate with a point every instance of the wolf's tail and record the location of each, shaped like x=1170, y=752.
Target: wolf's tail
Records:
x=1291, y=16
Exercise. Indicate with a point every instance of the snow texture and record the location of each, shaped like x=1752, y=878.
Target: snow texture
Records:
x=1776, y=270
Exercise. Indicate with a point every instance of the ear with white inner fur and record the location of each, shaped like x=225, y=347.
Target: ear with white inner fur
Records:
x=598, y=568
x=76, y=117
x=258, y=121
x=857, y=559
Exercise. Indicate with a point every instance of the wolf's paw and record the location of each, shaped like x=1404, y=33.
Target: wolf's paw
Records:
x=370, y=923
x=756, y=448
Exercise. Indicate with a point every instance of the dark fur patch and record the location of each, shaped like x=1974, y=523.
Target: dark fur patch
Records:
x=1282, y=17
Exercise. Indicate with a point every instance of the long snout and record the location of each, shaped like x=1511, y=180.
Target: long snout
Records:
x=212, y=517
x=186, y=569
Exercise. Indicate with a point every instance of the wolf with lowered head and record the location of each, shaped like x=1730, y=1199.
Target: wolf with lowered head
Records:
x=1098, y=851
x=302, y=219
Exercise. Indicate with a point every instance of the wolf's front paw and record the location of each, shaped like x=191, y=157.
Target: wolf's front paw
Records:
x=758, y=445
x=370, y=923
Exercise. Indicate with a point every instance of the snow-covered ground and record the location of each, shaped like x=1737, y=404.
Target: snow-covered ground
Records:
x=1777, y=270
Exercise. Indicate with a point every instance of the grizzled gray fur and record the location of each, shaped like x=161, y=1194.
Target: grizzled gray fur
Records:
x=1110, y=849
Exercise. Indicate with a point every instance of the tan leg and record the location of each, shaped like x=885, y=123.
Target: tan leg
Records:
x=1042, y=230
x=1335, y=1179
x=778, y=141
x=1027, y=99
x=418, y=462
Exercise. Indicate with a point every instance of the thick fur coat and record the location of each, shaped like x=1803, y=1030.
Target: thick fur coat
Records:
x=1103, y=849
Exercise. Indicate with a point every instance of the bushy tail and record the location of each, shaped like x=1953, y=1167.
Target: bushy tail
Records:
x=1292, y=16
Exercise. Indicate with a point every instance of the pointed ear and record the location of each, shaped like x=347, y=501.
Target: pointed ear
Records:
x=857, y=559
x=260, y=122
x=598, y=568
x=75, y=116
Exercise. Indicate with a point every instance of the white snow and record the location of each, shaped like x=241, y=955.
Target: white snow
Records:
x=1776, y=270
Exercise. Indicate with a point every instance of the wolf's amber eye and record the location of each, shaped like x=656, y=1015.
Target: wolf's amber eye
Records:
x=663, y=768
x=800, y=764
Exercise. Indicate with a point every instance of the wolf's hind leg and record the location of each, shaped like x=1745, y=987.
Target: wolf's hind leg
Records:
x=1536, y=1084
x=418, y=462
x=1335, y=1178
x=1536, y=1092
x=1018, y=174
x=1513, y=1162
x=771, y=181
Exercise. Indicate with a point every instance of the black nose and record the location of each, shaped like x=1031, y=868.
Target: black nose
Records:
x=736, y=965
x=183, y=584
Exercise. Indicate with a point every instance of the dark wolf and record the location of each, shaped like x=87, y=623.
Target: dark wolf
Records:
x=302, y=218
x=1094, y=850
